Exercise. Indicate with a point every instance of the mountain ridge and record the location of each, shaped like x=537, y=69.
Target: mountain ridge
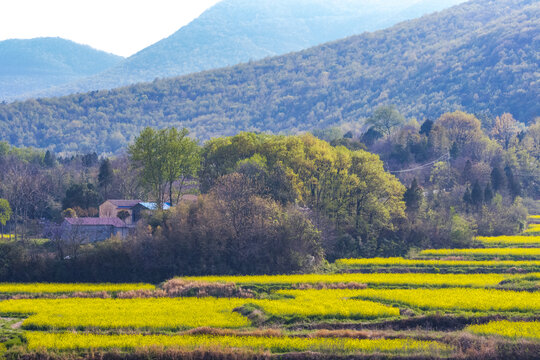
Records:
x=47, y=61
x=486, y=66
x=237, y=31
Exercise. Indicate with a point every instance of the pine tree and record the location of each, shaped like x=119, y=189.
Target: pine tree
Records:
x=477, y=195
x=413, y=197
x=454, y=150
x=49, y=159
x=514, y=187
x=488, y=193
x=497, y=178
x=467, y=171
x=105, y=176
x=426, y=127
x=467, y=198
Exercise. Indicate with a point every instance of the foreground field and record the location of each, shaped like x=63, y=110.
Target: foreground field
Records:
x=282, y=344
x=423, y=314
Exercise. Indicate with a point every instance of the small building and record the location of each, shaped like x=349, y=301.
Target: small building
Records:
x=111, y=208
x=94, y=229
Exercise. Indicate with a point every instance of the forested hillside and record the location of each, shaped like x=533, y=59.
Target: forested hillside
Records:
x=236, y=31
x=481, y=56
x=37, y=64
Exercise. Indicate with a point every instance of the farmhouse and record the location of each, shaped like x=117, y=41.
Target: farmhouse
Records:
x=94, y=229
x=135, y=208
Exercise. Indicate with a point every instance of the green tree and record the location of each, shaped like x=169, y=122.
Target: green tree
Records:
x=497, y=178
x=106, y=174
x=385, y=118
x=413, y=197
x=49, y=159
x=166, y=157
x=477, y=195
x=123, y=215
x=488, y=193
x=5, y=213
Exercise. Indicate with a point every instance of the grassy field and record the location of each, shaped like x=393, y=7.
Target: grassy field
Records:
x=489, y=307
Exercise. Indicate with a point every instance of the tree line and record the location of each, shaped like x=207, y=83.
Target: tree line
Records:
x=273, y=203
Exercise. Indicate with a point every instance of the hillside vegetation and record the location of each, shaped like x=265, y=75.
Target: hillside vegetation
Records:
x=37, y=64
x=236, y=31
x=480, y=56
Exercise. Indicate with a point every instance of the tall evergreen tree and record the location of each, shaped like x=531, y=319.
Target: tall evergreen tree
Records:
x=413, y=197
x=426, y=127
x=467, y=199
x=467, y=170
x=49, y=159
x=106, y=174
x=497, y=178
x=514, y=187
x=488, y=193
x=477, y=195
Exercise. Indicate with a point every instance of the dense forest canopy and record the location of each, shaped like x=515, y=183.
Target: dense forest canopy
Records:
x=480, y=56
x=236, y=31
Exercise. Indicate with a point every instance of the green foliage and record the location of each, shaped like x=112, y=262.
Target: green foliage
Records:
x=5, y=211
x=384, y=119
x=423, y=72
x=350, y=188
x=84, y=196
x=105, y=176
x=123, y=215
x=165, y=157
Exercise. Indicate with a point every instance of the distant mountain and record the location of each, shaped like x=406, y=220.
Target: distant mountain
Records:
x=37, y=64
x=236, y=31
x=481, y=56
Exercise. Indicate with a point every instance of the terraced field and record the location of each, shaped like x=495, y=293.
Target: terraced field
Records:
x=444, y=303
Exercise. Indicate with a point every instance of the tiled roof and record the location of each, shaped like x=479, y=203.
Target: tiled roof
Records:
x=92, y=221
x=124, y=203
x=153, y=205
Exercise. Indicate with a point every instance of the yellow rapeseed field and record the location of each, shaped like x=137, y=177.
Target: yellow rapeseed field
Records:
x=178, y=313
x=71, y=341
x=518, y=329
x=412, y=279
x=398, y=261
x=495, y=252
x=325, y=303
x=153, y=313
x=450, y=298
x=69, y=288
x=509, y=240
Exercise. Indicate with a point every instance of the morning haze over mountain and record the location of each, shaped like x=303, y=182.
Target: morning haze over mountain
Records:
x=231, y=32
x=27, y=65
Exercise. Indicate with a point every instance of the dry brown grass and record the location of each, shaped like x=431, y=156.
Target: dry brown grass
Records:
x=180, y=287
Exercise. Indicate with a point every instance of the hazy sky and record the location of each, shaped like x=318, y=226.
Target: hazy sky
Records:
x=121, y=27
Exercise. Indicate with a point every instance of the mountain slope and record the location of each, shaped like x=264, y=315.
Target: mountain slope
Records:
x=236, y=31
x=28, y=65
x=481, y=57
